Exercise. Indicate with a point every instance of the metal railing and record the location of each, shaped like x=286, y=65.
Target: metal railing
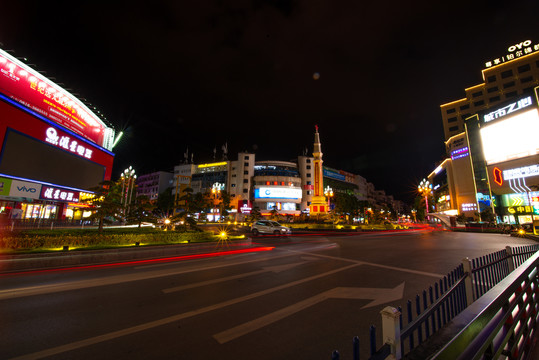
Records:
x=444, y=301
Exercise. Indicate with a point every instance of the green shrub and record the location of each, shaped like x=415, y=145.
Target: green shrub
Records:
x=52, y=239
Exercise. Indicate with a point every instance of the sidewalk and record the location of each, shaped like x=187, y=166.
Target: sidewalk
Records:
x=13, y=263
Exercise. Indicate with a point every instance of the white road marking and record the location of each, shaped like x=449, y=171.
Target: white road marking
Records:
x=360, y=262
x=276, y=269
x=113, y=280
x=379, y=296
x=134, y=329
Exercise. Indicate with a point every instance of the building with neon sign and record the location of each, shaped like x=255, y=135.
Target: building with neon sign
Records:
x=285, y=186
x=54, y=148
x=491, y=139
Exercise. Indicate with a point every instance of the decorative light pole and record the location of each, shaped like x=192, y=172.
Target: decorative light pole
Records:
x=128, y=183
x=216, y=191
x=328, y=192
x=425, y=188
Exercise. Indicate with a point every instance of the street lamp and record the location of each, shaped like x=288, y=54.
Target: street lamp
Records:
x=328, y=191
x=425, y=188
x=216, y=191
x=128, y=183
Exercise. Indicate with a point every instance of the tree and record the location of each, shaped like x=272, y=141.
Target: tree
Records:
x=141, y=211
x=107, y=203
x=254, y=215
x=165, y=203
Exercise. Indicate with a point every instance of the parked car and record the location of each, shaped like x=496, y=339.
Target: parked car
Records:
x=269, y=227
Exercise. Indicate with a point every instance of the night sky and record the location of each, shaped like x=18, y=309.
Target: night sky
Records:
x=177, y=75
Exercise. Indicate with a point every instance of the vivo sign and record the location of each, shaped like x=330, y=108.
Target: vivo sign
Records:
x=506, y=110
x=24, y=189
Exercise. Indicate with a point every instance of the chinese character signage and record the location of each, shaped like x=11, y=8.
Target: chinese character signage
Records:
x=69, y=143
x=514, y=52
x=508, y=109
x=59, y=194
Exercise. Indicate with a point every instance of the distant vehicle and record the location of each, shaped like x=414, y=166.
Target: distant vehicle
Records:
x=269, y=227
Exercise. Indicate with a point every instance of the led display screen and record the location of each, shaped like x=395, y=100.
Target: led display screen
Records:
x=26, y=157
x=513, y=138
x=277, y=193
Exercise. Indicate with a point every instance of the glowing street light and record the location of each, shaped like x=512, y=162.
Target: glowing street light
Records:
x=328, y=191
x=128, y=183
x=425, y=188
x=216, y=191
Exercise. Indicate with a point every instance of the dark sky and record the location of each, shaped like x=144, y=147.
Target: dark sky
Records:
x=196, y=74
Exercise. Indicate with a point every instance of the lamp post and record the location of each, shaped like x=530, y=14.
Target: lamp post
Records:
x=328, y=191
x=128, y=183
x=425, y=188
x=216, y=191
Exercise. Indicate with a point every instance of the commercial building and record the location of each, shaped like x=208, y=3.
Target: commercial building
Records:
x=492, y=143
x=54, y=148
x=287, y=187
x=153, y=184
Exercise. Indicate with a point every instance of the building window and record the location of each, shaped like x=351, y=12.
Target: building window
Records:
x=479, y=103
x=478, y=93
x=308, y=161
x=465, y=107
x=510, y=94
x=491, y=78
x=526, y=79
x=507, y=73
x=493, y=99
x=246, y=181
x=308, y=167
x=246, y=172
x=308, y=175
x=509, y=84
x=524, y=68
x=245, y=191
x=451, y=111
x=453, y=119
x=246, y=164
x=246, y=157
x=453, y=128
x=492, y=89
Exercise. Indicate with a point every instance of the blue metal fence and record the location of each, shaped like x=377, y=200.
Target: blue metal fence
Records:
x=447, y=298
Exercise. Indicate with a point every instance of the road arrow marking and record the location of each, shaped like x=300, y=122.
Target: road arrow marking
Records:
x=275, y=269
x=379, y=296
x=171, y=319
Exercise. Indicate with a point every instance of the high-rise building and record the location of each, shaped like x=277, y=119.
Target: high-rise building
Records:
x=490, y=134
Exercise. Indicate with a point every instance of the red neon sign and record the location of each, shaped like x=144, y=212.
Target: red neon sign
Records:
x=498, y=179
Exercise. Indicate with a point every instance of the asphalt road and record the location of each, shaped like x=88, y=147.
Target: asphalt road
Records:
x=302, y=300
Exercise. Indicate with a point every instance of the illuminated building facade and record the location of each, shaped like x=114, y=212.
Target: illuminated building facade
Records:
x=54, y=149
x=151, y=185
x=490, y=134
x=285, y=186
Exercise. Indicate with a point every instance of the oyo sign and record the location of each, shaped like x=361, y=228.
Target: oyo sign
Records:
x=519, y=46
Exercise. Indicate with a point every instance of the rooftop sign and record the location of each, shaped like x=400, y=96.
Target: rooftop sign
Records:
x=513, y=52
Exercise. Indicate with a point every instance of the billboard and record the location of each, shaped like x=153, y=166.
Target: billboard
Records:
x=266, y=192
x=510, y=132
x=39, y=94
x=33, y=149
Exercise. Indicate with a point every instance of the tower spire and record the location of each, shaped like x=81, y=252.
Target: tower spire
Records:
x=318, y=203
